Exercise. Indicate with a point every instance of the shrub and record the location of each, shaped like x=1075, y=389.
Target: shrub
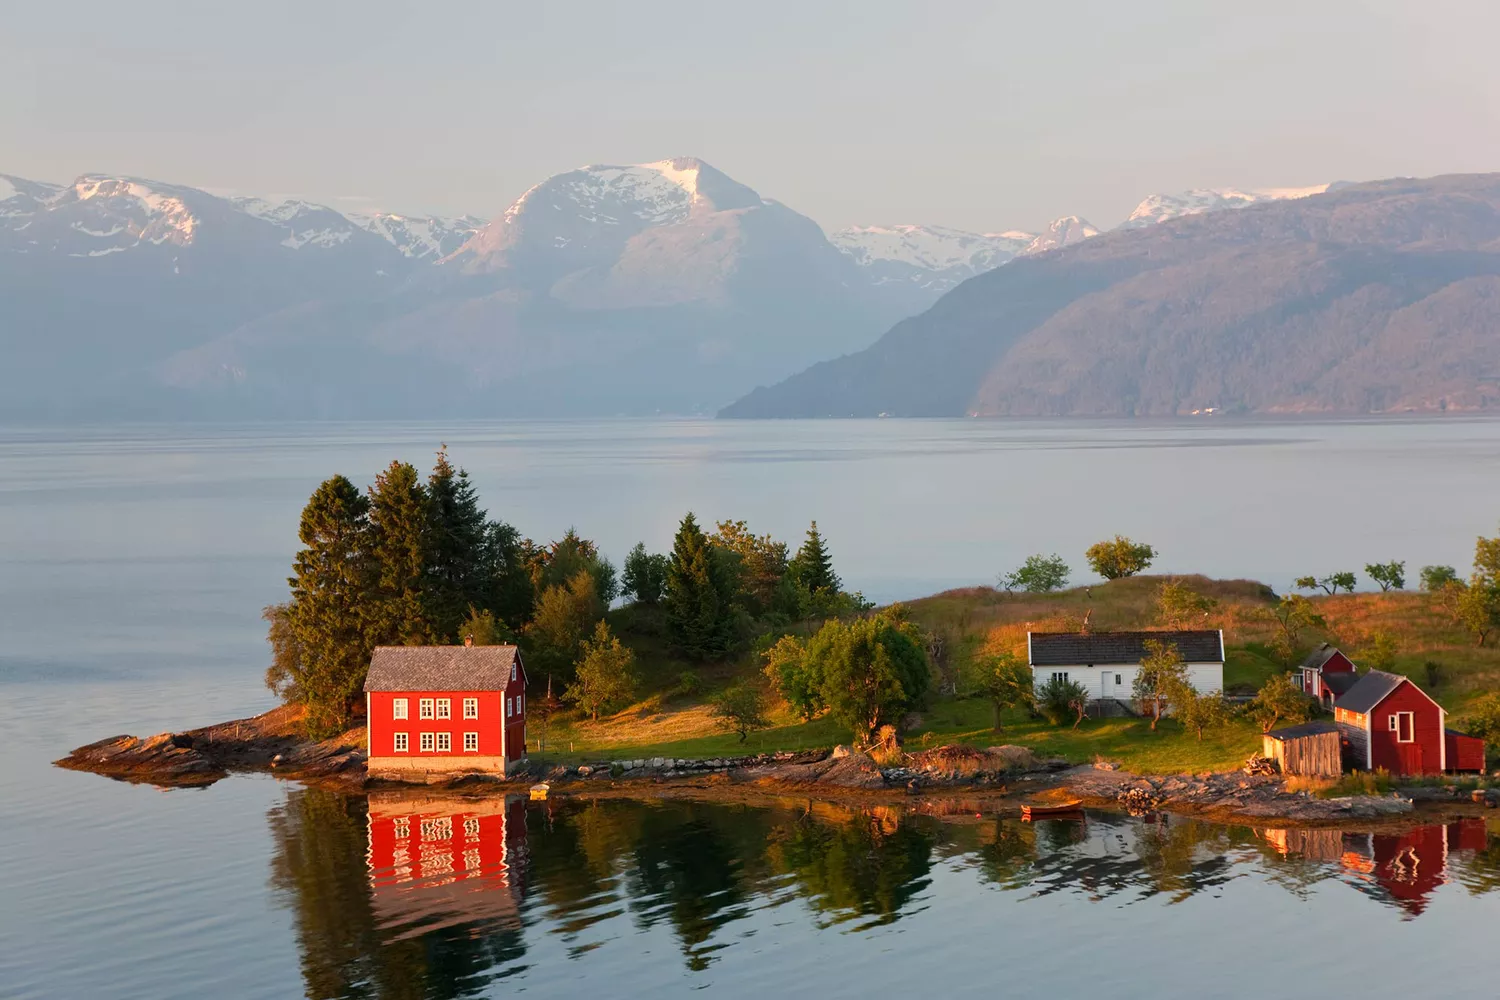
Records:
x=1061, y=699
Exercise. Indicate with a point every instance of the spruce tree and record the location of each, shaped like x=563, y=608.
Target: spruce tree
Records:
x=456, y=557
x=699, y=597
x=813, y=567
x=401, y=546
x=323, y=628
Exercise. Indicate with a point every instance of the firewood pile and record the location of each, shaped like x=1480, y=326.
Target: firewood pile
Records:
x=1258, y=764
x=1138, y=801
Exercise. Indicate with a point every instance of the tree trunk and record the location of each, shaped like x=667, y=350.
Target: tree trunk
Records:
x=996, y=706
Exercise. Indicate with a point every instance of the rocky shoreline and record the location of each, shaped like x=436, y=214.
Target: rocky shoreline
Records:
x=271, y=743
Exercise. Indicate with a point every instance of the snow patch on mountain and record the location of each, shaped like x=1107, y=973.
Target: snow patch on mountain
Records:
x=419, y=236
x=7, y=189
x=1160, y=208
x=1062, y=232
x=934, y=247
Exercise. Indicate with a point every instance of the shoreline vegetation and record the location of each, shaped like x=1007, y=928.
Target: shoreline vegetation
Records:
x=732, y=662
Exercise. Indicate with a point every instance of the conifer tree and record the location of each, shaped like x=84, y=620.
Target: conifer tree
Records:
x=401, y=546
x=321, y=638
x=813, y=567
x=456, y=563
x=700, y=595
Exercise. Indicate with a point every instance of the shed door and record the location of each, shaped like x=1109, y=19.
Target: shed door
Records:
x=1411, y=757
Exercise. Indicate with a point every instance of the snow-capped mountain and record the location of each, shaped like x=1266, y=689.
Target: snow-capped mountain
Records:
x=420, y=237
x=1160, y=208
x=1062, y=232
x=933, y=258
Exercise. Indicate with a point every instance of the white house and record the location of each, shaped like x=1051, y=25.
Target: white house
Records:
x=1106, y=662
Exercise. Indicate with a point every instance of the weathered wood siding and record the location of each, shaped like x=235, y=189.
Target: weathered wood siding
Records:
x=1315, y=755
x=1352, y=728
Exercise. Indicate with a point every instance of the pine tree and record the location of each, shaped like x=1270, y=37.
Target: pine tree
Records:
x=401, y=546
x=699, y=599
x=456, y=563
x=813, y=567
x=321, y=638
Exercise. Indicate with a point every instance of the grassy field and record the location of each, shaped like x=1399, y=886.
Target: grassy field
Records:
x=673, y=719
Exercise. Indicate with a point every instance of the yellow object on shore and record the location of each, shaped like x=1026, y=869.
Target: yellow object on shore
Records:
x=539, y=792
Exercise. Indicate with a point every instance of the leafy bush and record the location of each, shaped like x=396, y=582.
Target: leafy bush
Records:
x=1061, y=699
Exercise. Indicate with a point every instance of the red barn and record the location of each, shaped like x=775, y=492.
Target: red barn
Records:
x=1327, y=673
x=445, y=709
x=1391, y=723
x=1465, y=753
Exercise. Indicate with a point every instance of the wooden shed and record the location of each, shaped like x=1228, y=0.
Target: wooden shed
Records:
x=1311, y=749
x=1465, y=753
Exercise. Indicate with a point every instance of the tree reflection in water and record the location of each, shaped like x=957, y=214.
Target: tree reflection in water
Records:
x=405, y=896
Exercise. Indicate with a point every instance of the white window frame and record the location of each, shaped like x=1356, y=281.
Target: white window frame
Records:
x=519, y=708
x=512, y=671
x=424, y=708
x=471, y=742
x=445, y=708
x=1059, y=673
x=1411, y=726
x=401, y=743
x=471, y=708
x=426, y=743
x=398, y=708
x=510, y=707
x=444, y=742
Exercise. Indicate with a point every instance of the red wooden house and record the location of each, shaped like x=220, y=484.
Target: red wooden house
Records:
x=1327, y=673
x=1389, y=722
x=445, y=709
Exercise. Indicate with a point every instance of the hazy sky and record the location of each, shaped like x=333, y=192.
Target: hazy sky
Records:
x=978, y=115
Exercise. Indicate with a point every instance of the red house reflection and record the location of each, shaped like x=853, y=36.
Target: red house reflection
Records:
x=1404, y=869
x=437, y=862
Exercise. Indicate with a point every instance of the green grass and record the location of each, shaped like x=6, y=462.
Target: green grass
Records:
x=669, y=722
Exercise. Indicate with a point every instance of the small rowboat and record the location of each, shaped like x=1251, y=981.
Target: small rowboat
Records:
x=539, y=792
x=1074, y=808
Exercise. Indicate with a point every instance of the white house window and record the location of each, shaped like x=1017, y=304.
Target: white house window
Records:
x=445, y=708
x=518, y=703
x=1118, y=679
x=1403, y=726
x=471, y=708
x=471, y=742
x=445, y=742
x=427, y=742
x=510, y=707
x=401, y=744
x=398, y=708
x=512, y=671
x=1060, y=675
x=424, y=708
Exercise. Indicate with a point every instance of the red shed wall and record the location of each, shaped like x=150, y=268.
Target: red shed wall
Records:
x=515, y=725
x=383, y=728
x=1427, y=723
x=1465, y=753
x=1338, y=663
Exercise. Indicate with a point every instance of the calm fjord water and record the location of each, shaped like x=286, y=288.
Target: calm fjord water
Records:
x=134, y=562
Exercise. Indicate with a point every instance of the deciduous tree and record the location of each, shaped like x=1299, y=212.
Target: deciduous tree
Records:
x=1006, y=681
x=740, y=709
x=759, y=564
x=1039, y=574
x=1435, y=578
x=872, y=669
x=1379, y=650
x=1330, y=584
x=1160, y=676
x=1389, y=575
x=484, y=628
x=605, y=673
x=1198, y=712
x=1179, y=606
x=645, y=577
x=795, y=677
x=1119, y=557
x=564, y=617
x=1292, y=616
x=1280, y=699
x=1473, y=606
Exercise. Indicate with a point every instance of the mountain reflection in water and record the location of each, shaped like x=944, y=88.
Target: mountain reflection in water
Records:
x=409, y=894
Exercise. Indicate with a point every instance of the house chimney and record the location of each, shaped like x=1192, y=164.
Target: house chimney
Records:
x=468, y=640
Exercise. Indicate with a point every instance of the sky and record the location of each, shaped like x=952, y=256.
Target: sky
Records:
x=983, y=116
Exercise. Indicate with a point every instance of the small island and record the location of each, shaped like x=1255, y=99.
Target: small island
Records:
x=424, y=642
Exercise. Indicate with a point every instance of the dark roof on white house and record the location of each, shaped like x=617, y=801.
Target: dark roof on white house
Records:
x=1369, y=691
x=1340, y=681
x=1320, y=656
x=441, y=668
x=1304, y=729
x=1062, y=649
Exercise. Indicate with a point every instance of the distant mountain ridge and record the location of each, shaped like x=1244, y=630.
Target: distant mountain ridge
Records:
x=1373, y=297
x=640, y=288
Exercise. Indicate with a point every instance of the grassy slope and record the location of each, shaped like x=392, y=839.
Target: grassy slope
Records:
x=670, y=722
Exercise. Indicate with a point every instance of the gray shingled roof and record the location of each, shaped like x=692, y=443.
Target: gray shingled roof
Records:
x=1304, y=729
x=1320, y=656
x=1340, y=681
x=1061, y=649
x=1369, y=691
x=440, y=668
